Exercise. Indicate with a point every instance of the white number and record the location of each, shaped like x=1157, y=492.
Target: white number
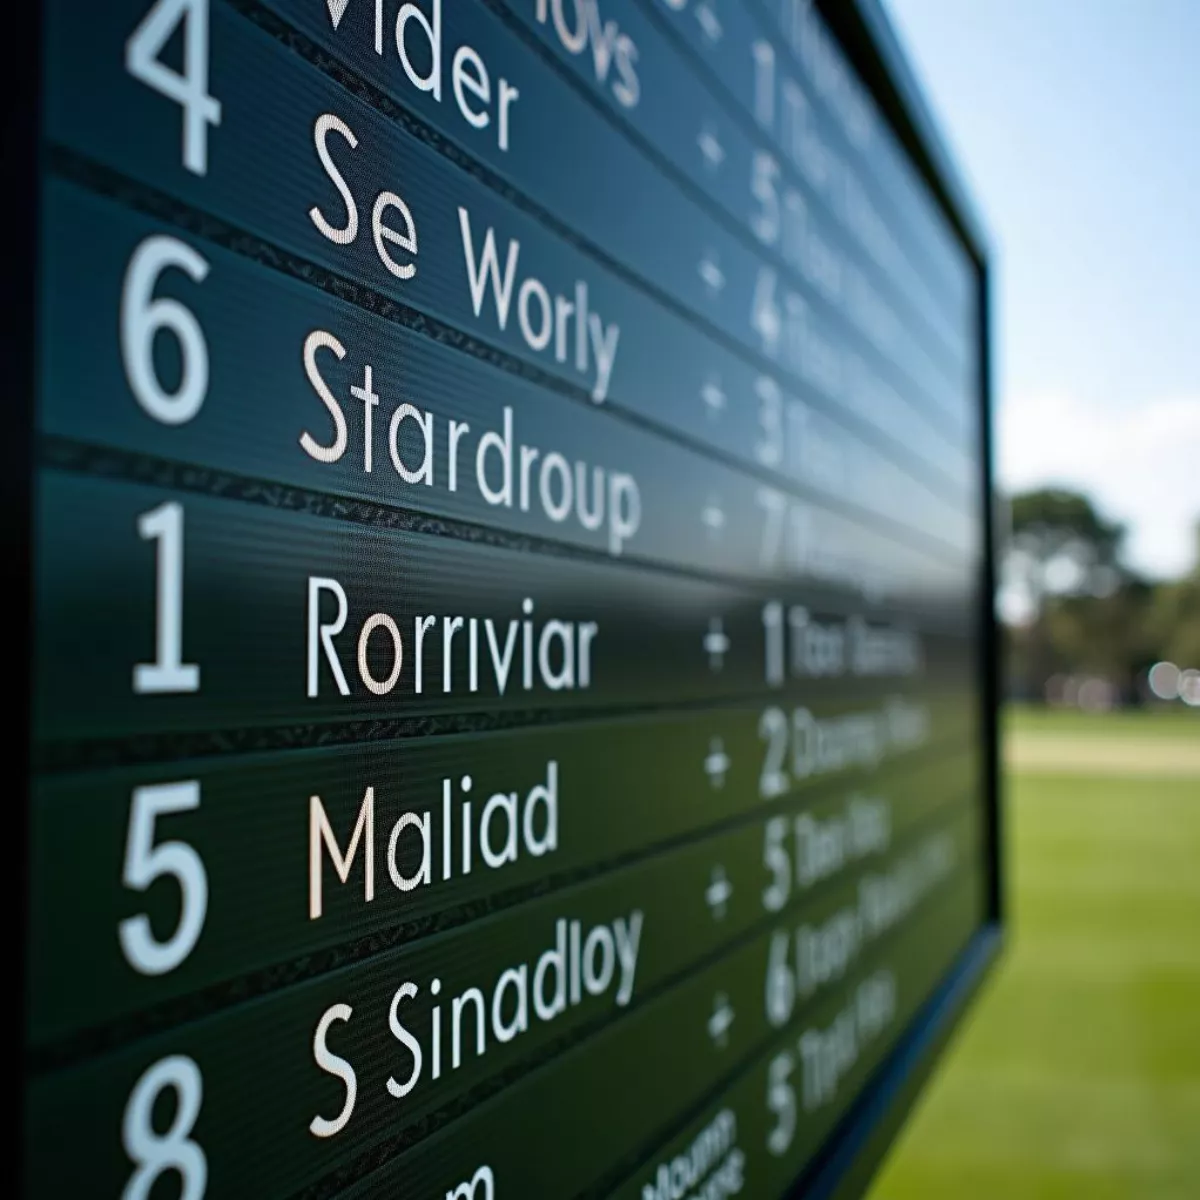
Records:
x=802, y=750
x=776, y=860
x=795, y=327
x=145, y=862
x=787, y=532
x=765, y=172
x=155, y=1153
x=770, y=421
x=143, y=317
x=780, y=983
x=188, y=89
x=795, y=229
x=765, y=317
x=798, y=439
x=800, y=536
x=808, y=154
x=773, y=729
x=167, y=673
x=781, y=1100
x=775, y=509
x=764, y=82
x=773, y=643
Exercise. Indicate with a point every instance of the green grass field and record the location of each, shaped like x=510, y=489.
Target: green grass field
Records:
x=1078, y=1072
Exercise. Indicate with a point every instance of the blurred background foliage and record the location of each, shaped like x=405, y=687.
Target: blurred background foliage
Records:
x=1082, y=628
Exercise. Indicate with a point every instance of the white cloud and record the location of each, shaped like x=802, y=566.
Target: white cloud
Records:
x=1140, y=465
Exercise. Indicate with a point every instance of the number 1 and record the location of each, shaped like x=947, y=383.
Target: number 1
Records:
x=168, y=673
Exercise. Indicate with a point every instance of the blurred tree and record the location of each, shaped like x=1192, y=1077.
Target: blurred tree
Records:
x=1109, y=636
x=1064, y=561
x=1062, y=545
x=1174, y=620
x=1175, y=623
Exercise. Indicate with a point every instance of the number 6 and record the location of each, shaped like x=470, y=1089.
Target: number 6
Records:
x=145, y=862
x=780, y=983
x=143, y=317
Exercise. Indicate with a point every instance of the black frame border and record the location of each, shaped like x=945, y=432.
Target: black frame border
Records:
x=20, y=212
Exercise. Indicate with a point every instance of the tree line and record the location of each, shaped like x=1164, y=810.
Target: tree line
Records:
x=1074, y=607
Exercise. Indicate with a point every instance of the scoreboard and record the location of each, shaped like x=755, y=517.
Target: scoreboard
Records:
x=504, y=488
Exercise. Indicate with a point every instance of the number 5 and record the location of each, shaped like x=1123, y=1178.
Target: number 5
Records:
x=781, y=1100
x=145, y=862
x=777, y=861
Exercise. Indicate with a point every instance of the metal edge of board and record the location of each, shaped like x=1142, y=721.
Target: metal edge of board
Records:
x=869, y=39
x=859, y=1145
x=865, y=1135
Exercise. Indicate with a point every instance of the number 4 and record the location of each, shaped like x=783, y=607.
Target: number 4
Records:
x=189, y=88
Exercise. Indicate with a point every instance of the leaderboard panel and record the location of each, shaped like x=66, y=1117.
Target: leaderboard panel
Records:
x=510, y=707
x=734, y=154
x=505, y=276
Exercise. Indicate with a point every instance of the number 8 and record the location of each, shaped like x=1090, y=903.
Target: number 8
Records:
x=153, y=1153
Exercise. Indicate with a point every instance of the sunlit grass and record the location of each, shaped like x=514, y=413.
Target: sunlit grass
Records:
x=1078, y=1074
x=1177, y=721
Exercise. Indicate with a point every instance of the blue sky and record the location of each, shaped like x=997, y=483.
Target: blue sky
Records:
x=1077, y=127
